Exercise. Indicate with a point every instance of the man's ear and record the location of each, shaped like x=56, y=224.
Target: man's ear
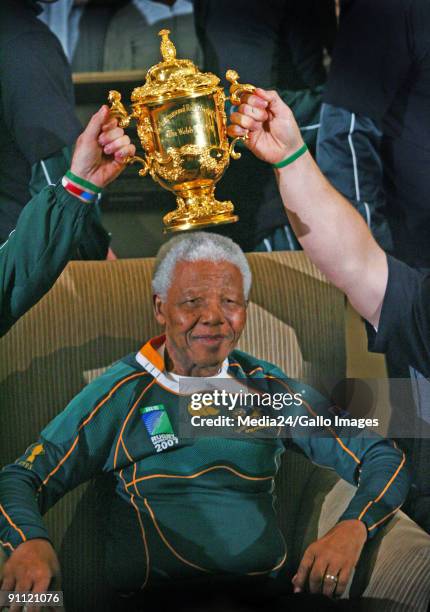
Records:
x=158, y=309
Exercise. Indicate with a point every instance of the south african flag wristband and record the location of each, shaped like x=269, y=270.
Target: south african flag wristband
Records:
x=80, y=188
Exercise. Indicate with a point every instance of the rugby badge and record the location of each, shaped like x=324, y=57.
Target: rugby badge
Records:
x=159, y=427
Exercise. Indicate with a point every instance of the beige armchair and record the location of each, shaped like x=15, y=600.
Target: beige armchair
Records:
x=99, y=311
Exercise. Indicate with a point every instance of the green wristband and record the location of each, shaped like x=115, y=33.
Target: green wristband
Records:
x=292, y=158
x=82, y=182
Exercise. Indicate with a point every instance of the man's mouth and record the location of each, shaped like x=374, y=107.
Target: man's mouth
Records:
x=209, y=339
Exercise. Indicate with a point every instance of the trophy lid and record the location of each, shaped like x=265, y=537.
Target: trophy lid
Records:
x=173, y=78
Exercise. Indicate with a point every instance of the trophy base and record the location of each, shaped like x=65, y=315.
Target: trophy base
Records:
x=188, y=225
x=197, y=208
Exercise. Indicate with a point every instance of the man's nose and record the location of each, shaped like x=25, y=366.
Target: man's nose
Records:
x=212, y=313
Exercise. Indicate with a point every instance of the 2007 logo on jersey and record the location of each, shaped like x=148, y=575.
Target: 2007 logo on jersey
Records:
x=159, y=427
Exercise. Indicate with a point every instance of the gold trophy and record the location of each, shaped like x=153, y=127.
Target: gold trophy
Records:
x=182, y=125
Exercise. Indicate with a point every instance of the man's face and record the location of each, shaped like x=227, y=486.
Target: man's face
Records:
x=203, y=315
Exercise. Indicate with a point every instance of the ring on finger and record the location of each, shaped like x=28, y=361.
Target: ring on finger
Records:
x=331, y=578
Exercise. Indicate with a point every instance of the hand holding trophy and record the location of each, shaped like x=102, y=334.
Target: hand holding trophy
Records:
x=182, y=126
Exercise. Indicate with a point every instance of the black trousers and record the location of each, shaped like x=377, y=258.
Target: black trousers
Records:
x=231, y=596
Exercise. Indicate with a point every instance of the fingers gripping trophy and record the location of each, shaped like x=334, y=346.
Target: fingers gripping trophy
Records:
x=182, y=126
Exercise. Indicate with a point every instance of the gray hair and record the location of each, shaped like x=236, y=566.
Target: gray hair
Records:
x=197, y=246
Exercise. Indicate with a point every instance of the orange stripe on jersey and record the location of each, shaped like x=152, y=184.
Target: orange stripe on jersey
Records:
x=149, y=350
x=4, y=544
x=392, y=479
x=142, y=531
x=254, y=370
x=197, y=474
x=145, y=543
x=167, y=543
x=309, y=409
x=124, y=448
x=12, y=524
x=134, y=480
x=272, y=569
x=132, y=409
x=384, y=519
x=365, y=509
x=385, y=489
x=87, y=420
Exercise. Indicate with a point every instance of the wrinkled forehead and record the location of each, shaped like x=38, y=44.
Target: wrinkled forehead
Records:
x=206, y=275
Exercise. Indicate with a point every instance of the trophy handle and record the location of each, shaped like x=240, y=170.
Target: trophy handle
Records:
x=237, y=89
x=232, y=152
x=118, y=109
x=136, y=159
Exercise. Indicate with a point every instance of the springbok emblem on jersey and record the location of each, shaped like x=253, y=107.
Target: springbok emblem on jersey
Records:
x=35, y=450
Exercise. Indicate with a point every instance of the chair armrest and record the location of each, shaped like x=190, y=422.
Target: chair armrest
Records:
x=398, y=564
x=394, y=565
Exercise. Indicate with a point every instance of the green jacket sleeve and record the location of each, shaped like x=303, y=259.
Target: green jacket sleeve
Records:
x=76, y=446
x=94, y=240
x=36, y=252
x=361, y=457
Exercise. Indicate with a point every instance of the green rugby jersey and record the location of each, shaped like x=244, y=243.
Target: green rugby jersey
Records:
x=184, y=507
x=44, y=240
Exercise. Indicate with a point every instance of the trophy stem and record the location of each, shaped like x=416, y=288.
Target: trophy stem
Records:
x=197, y=208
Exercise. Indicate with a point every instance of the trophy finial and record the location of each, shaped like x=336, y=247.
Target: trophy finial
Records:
x=167, y=48
x=118, y=109
x=232, y=76
x=237, y=89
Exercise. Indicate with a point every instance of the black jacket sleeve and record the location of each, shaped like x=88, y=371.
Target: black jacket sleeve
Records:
x=404, y=325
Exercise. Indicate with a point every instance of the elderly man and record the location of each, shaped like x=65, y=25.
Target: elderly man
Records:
x=392, y=297
x=191, y=511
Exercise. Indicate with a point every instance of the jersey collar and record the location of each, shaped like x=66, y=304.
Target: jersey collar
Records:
x=150, y=358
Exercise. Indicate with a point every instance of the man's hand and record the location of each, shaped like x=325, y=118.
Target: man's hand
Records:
x=273, y=132
x=335, y=554
x=101, y=150
x=31, y=567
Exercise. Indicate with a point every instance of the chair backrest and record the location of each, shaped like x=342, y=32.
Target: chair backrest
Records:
x=99, y=311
